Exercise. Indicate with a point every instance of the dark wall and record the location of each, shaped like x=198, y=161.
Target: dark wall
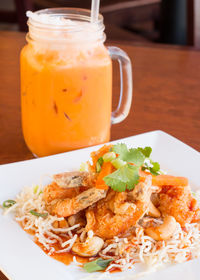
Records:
x=174, y=22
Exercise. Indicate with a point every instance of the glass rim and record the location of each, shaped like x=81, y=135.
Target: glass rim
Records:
x=80, y=14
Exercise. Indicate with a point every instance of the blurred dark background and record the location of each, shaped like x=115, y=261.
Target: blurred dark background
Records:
x=174, y=22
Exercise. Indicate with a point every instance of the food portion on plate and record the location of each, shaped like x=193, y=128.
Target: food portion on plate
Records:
x=117, y=210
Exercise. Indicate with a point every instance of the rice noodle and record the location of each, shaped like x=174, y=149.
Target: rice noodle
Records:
x=44, y=231
x=182, y=246
x=125, y=252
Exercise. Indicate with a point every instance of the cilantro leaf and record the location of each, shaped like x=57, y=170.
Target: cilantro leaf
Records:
x=115, y=184
x=135, y=156
x=134, y=177
x=97, y=265
x=121, y=149
x=130, y=155
x=155, y=169
x=125, y=177
x=127, y=174
x=146, y=151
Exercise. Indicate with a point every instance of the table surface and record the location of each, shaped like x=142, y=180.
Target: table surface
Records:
x=166, y=95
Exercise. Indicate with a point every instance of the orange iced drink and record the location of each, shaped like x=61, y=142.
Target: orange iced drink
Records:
x=66, y=91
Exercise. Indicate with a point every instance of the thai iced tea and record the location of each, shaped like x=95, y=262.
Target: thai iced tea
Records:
x=66, y=82
x=66, y=92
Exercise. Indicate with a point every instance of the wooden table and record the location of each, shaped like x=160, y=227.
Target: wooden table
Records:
x=166, y=95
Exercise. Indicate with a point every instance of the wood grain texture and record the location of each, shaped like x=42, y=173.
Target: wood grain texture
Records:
x=2, y=276
x=166, y=95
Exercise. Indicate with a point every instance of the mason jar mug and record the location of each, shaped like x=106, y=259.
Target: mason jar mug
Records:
x=66, y=82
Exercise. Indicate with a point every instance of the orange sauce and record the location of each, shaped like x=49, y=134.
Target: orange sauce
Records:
x=114, y=270
x=66, y=257
x=66, y=97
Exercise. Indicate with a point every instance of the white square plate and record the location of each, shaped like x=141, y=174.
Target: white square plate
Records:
x=22, y=259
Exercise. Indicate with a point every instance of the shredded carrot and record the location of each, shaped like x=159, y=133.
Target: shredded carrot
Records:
x=97, y=154
x=106, y=169
x=166, y=180
x=169, y=180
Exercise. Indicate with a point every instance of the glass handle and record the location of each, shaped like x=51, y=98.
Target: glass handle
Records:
x=126, y=84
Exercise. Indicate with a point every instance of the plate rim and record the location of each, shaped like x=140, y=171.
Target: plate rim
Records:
x=158, y=131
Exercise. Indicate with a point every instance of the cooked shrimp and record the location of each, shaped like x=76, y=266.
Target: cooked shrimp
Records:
x=164, y=231
x=118, y=205
x=179, y=203
x=70, y=206
x=53, y=191
x=73, y=179
x=115, y=214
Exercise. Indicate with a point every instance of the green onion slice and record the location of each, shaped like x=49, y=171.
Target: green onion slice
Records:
x=99, y=164
x=83, y=167
x=109, y=156
x=97, y=265
x=34, y=213
x=35, y=189
x=117, y=163
x=8, y=203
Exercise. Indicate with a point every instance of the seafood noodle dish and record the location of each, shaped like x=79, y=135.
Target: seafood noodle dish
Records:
x=117, y=210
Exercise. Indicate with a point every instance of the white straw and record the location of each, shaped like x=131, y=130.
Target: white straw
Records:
x=95, y=11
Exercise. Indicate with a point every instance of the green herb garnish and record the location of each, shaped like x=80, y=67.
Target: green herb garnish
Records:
x=153, y=167
x=126, y=176
x=146, y=151
x=35, y=189
x=109, y=156
x=83, y=167
x=8, y=203
x=34, y=213
x=99, y=164
x=128, y=164
x=97, y=265
x=117, y=163
x=129, y=155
